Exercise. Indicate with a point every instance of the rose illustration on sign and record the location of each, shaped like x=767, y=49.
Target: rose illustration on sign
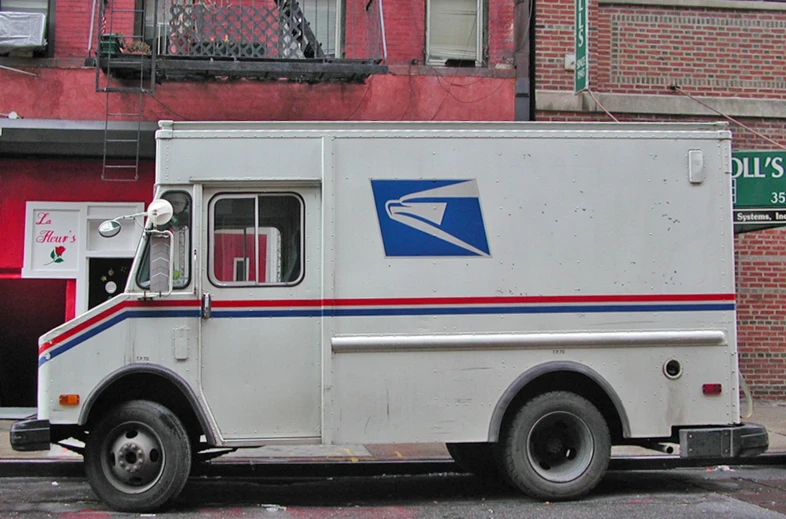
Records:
x=57, y=255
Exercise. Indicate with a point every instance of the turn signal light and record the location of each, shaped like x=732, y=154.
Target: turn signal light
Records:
x=711, y=389
x=69, y=399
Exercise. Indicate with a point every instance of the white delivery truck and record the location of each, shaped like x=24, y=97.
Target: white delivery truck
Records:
x=528, y=294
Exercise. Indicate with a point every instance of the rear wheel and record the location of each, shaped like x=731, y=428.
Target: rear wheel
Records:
x=557, y=447
x=138, y=457
x=475, y=458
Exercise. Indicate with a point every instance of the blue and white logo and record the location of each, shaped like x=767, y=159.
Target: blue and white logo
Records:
x=430, y=217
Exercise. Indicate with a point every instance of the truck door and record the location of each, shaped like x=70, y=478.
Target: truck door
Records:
x=260, y=339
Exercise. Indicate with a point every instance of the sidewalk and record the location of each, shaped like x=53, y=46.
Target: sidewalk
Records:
x=771, y=414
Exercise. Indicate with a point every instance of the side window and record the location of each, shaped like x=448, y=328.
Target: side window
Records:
x=180, y=225
x=256, y=239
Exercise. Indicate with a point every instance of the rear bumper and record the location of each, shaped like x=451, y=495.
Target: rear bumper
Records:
x=30, y=434
x=724, y=442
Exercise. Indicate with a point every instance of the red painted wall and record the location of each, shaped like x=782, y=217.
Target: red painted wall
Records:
x=55, y=180
x=425, y=95
x=229, y=246
x=405, y=27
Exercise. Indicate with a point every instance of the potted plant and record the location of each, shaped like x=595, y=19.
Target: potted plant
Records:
x=110, y=44
x=135, y=47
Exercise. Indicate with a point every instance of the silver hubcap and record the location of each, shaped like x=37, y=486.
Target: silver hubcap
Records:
x=560, y=447
x=133, y=457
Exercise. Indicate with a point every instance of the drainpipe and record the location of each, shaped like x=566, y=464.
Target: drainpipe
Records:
x=524, y=59
x=382, y=28
x=92, y=27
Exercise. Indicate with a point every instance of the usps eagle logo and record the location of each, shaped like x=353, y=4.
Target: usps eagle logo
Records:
x=430, y=217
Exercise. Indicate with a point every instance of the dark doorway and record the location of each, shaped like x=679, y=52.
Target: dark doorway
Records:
x=28, y=309
x=106, y=278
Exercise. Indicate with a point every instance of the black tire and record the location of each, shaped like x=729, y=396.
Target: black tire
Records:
x=138, y=457
x=475, y=458
x=556, y=448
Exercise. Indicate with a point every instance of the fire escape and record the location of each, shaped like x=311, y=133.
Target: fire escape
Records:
x=125, y=73
x=144, y=42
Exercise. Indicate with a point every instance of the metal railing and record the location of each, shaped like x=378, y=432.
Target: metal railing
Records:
x=266, y=29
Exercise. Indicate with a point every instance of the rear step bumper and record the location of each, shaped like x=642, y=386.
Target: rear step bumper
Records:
x=30, y=434
x=724, y=442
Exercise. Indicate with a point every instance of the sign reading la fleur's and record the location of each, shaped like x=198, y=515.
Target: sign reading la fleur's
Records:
x=52, y=244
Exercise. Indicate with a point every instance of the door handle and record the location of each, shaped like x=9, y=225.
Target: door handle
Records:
x=207, y=306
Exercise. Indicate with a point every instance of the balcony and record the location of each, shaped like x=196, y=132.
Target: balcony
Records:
x=306, y=40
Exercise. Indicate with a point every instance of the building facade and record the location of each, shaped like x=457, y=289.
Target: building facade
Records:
x=79, y=101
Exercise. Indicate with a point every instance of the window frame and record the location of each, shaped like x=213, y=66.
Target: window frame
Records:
x=143, y=258
x=480, y=34
x=259, y=231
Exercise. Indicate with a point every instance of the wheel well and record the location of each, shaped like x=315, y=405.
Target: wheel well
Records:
x=573, y=382
x=146, y=386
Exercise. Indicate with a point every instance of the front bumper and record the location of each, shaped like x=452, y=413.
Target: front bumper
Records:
x=724, y=442
x=30, y=434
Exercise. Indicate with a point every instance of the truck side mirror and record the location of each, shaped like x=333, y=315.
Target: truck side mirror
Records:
x=160, y=261
x=159, y=212
x=109, y=228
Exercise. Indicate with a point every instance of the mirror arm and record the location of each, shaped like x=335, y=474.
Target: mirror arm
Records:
x=131, y=217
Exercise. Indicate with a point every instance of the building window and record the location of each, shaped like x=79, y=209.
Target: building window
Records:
x=256, y=239
x=216, y=23
x=323, y=17
x=454, y=32
x=24, y=25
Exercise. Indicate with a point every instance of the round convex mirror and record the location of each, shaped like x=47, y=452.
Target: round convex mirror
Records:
x=109, y=228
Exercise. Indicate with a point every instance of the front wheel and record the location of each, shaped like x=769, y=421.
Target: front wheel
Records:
x=557, y=447
x=138, y=457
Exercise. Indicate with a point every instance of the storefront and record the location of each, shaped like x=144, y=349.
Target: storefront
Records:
x=53, y=262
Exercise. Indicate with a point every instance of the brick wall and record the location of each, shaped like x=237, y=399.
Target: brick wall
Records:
x=761, y=310
x=554, y=39
x=405, y=27
x=500, y=32
x=73, y=20
x=73, y=28
x=715, y=52
x=645, y=49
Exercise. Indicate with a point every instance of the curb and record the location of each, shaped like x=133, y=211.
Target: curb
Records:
x=278, y=468
x=247, y=468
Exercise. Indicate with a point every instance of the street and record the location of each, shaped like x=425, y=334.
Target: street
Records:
x=729, y=493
